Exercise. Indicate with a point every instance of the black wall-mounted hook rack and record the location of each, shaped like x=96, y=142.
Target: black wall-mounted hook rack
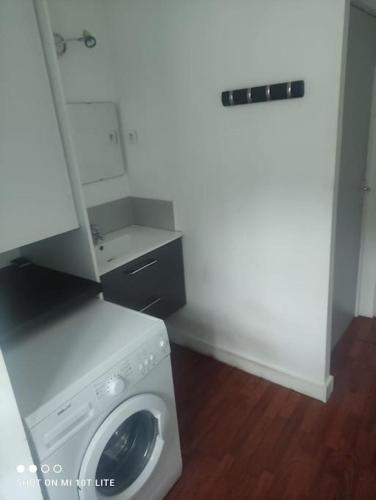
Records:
x=274, y=92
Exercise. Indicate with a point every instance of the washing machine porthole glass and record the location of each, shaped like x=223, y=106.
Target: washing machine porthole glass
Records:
x=127, y=453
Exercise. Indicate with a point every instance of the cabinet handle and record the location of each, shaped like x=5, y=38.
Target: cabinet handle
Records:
x=148, y=306
x=141, y=268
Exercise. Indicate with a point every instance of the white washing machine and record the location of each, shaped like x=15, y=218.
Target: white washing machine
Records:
x=94, y=387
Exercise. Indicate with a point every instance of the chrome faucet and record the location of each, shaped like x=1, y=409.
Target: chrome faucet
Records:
x=96, y=233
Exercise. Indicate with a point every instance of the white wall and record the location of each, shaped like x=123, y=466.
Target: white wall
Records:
x=252, y=186
x=88, y=74
x=358, y=95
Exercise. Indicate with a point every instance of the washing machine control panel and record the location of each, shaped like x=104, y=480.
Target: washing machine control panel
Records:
x=115, y=385
x=132, y=368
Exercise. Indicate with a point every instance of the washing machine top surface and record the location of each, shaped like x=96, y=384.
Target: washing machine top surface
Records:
x=72, y=349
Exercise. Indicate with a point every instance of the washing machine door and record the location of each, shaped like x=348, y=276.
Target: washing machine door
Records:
x=126, y=449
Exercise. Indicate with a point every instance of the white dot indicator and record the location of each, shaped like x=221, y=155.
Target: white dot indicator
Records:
x=45, y=468
x=57, y=468
x=20, y=468
x=33, y=468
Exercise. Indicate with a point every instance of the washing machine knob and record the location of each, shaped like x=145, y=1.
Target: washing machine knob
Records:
x=115, y=385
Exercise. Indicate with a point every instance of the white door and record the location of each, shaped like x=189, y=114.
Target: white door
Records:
x=125, y=450
x=367, y=268
x=36, y=199
x=358, y=96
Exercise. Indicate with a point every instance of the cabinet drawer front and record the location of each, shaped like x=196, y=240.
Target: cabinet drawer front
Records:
x=135, y=282
x=142, y=266
x=153, y=283
x=160, y=307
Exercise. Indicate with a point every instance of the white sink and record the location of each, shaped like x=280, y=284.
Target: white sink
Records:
x=112, y=249
x=129, y=243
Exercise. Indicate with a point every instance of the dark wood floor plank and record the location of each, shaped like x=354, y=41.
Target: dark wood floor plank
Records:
x=246, y=438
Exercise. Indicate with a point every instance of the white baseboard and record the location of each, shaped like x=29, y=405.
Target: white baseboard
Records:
x=321, y=392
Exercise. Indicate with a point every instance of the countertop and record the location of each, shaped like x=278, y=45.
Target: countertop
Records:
x=129, y=243
x=30, y=293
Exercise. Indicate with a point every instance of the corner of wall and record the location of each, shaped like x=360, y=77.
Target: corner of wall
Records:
x=316, y=390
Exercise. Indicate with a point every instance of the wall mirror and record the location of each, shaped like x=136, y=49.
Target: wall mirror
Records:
x=97, y=138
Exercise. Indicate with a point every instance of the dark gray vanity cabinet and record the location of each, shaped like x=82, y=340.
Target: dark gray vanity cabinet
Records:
x=153, y=284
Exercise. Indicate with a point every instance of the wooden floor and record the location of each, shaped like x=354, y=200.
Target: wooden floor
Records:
x=246, y=438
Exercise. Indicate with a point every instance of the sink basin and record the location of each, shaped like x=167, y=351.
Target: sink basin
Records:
x=129, y=243
x=112, y=249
